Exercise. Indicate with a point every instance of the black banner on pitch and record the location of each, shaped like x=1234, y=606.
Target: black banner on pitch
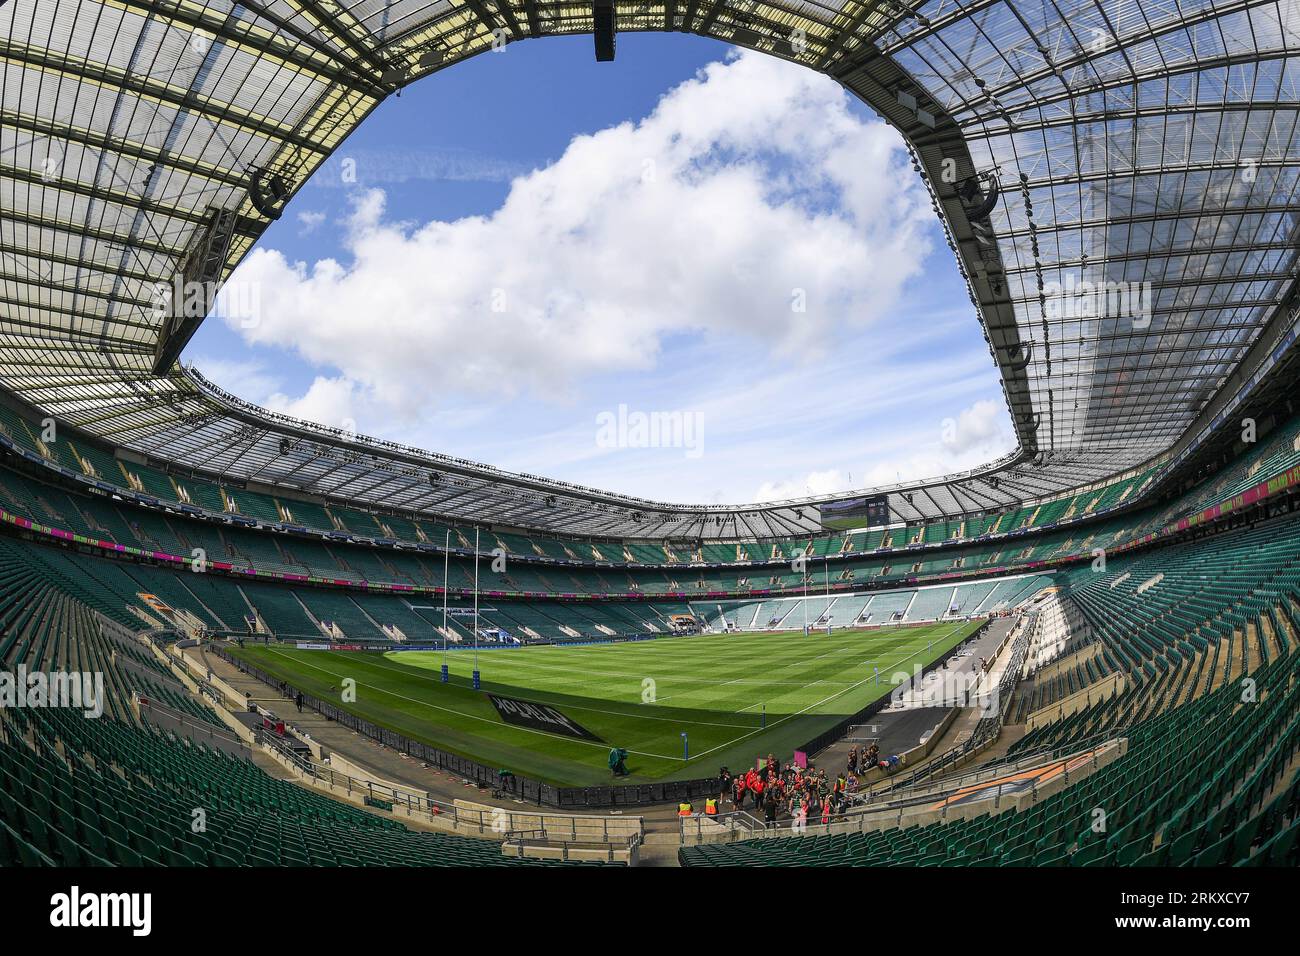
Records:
x=538, y=717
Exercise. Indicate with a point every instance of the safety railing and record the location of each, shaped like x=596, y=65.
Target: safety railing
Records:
x=496, y=821
x=945, y=788
x=537, y=837
x=411, y=800
x=698, y=826
x=740, y=825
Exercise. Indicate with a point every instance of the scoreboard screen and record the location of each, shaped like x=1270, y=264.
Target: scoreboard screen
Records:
x=867, y=511
x=877, y=510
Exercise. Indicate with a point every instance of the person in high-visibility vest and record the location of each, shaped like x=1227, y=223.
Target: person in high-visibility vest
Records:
x=710, y=807
x=683, y=809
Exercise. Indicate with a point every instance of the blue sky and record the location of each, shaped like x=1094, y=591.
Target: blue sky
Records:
x=517, y=248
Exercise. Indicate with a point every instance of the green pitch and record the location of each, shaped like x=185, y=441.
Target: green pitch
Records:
x=736, y=696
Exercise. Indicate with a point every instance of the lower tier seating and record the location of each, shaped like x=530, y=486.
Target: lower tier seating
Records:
x=1213, y=783
x=1204, y=634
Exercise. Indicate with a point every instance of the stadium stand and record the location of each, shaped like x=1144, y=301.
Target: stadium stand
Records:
x=1216, y=765
x=1121, y=588
x=1274, y=456
x=134, y=526
x=113, y=791
x=61, y=807
x=1209, y=776
x=1153, y=648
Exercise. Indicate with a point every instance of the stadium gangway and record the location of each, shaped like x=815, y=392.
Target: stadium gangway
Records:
x=741, y=821
x=986, y=730
x=157, y=640
x=411, y=800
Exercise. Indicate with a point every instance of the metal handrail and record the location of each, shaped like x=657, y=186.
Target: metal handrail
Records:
x=144, y=701
x=407, y=798
x=495, y=820
x=540, y=836
x=949, y=785
x=855, y=819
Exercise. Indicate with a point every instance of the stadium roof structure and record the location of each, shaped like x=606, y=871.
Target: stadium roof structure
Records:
x=1148, y=147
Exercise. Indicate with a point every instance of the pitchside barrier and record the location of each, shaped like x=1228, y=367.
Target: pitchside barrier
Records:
x=544, y=794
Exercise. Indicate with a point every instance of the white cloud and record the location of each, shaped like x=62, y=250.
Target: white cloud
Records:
x=976, y=427
x=654, y=264
x=309, y=221
x=748, y=186
x=328, y=401
x=918, y=450
x=826, y=482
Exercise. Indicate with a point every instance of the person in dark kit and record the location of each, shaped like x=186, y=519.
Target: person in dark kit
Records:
x=771, y=800
x=618, y=762
x=724, y=784
x=298, y=700
x=505, y=780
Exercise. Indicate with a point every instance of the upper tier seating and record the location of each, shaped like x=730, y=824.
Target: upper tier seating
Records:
x=1278, y=451
x=121, y=523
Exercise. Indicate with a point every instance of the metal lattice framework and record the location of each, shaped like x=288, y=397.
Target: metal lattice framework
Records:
x=1145, y=149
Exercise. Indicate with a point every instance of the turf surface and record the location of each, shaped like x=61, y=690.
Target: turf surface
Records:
x=736, y=696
